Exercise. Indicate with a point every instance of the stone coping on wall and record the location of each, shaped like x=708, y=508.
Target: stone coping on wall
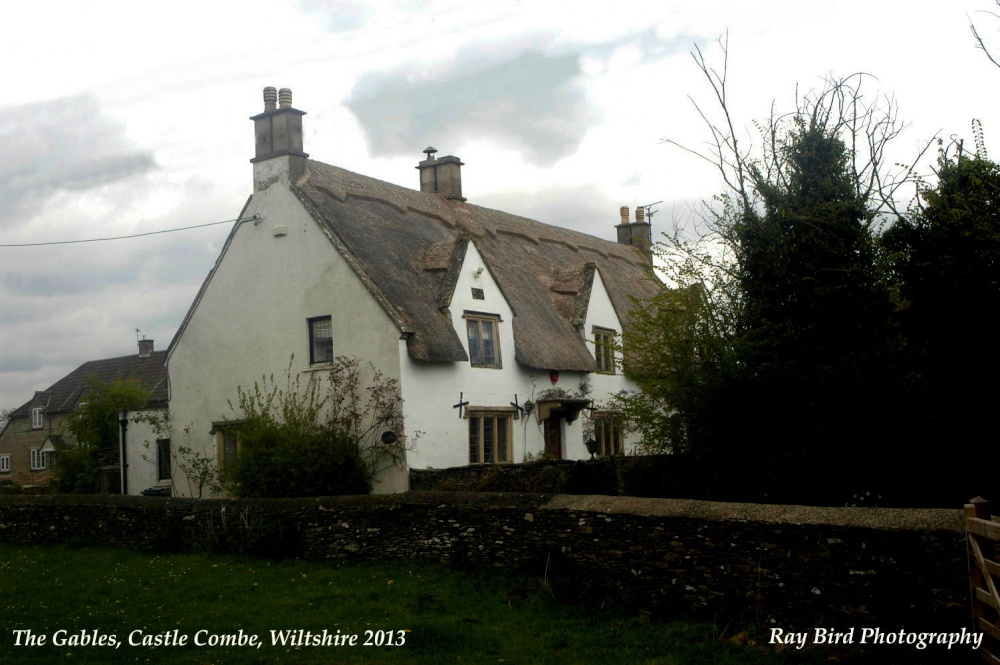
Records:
x=934, y=519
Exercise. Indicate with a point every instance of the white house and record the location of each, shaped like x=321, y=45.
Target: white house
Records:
x=503, y=332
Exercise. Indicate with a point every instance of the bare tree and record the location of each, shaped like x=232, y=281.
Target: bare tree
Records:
x=867, y=124
x=979, y=40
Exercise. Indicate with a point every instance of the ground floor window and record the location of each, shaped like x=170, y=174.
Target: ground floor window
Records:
x=163, y=459
x=228, y=447
x=490, y=437
x=4, y=463
x=37, y=459
x=609, y=434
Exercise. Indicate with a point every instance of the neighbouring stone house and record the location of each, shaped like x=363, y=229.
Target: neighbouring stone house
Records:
x=37, y=428
x=505, y=334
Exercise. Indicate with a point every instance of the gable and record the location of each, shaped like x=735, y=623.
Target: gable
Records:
x=401, y=238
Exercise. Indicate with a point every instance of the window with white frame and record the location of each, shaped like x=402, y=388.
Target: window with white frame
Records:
x=163, y=459
x=484, y=339
x=320, y=340
x=490, y=437
x=609, y=433
x=604, y=350
x=4, y=463
x=37, y=459
x=36, y=418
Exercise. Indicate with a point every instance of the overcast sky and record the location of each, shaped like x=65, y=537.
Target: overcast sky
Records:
x=121, y=117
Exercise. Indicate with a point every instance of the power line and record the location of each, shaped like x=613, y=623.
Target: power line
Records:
x=136, y=235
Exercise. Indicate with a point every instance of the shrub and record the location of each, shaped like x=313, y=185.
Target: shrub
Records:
x=307, y=441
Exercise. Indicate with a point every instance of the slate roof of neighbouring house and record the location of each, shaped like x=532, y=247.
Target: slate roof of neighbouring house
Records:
x=63, y=395
x=407, y=247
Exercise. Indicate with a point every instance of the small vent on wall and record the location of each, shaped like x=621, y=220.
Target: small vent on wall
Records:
x=280, y=231
x=478, y=294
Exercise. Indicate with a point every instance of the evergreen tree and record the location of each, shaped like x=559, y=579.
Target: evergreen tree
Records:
x=947, y=258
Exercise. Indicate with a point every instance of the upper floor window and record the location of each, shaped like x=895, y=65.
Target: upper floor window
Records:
x=4, y=463
x=604, y=350
x=36, y=418
x=320, y=340
x=484, y=339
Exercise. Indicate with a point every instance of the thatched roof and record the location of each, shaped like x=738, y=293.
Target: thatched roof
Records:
x=407, y=246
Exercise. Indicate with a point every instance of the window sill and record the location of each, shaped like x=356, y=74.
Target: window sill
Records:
x=318, y=367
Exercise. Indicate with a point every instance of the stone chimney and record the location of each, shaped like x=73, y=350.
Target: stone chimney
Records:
x=638, y=234
x=145, y=348
x=278, y=131
x=441, y=176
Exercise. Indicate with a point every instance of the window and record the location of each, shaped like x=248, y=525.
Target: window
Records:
x=228, y=442
x=163, y=459
x=489, y=437
x=604, y=350
x=609, y=434
x=36, y=418
x=4, y=463
x=37, y=459
x=484, y=346
x=320, y=340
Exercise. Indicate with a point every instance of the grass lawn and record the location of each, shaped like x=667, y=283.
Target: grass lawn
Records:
x=418, y=612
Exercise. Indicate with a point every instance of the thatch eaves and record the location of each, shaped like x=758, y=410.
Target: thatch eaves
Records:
x=408, y=246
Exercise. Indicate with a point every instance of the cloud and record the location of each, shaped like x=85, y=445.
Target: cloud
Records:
x=26, y=363
x=534, y=103
x=59, y=145
x=340, y=16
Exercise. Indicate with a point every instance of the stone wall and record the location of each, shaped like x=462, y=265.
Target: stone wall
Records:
x=789, y=566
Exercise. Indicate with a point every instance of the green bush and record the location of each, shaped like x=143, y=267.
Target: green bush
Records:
x=76, y=470
x=275, y=463
x=310, y=441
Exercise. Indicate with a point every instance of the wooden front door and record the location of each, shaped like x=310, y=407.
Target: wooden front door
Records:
x=553, y=436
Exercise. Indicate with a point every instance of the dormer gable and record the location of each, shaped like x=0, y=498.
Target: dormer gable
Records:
x=602, y=327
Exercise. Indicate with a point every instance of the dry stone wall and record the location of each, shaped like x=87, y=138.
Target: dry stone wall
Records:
x=790, y=566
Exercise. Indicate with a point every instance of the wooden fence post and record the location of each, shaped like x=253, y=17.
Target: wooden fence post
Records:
x=981, y=537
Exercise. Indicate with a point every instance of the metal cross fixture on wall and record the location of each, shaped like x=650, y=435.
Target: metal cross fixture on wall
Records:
x=518, y=409
x=460, y=406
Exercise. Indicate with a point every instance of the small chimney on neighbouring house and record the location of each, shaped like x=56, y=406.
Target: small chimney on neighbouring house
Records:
x=278, y=131
x=638, y=234
x=441, y=176
x=145, y=347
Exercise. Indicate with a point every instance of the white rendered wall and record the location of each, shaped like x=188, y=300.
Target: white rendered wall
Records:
x=251, y=317
x=431, y=389
x=601, y=314
x=140, y=449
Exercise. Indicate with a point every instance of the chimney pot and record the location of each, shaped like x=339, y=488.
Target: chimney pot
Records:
x=278, y=131
x=270, y=98
x=441, y=176
x=638, y=234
